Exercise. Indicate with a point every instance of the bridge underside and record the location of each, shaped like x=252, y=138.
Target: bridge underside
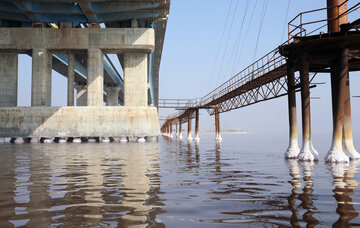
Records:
x=74, y=38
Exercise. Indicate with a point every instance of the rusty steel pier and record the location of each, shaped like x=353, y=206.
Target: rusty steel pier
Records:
x=336, y=52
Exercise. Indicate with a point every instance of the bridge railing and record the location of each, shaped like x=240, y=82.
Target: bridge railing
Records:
x=308, y=22
x=178, y=103
x=264, y=65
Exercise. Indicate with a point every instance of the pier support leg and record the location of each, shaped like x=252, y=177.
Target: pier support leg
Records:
x=135, y=79
x=112, y=96
x=293, y=149
x=339, y=73
x=306, y=153
x=180, y=130
x=8, y=80
x=176, y=130
x=217, y=125
x=348, y=143
x=189, y=137
x=197, y=125
x=81, y=95
x=95, y=80
x=71, y=77
x=171, y=130
x=41, y=77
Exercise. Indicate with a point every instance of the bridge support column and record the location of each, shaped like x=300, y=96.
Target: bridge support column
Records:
x=81, y=96
x=135, y=79
x=217, y=125
x=197, y=125
x=176, y=130
x=189, y=137
x=41, y=77
x=171, y=130
x=71, y=77
x=293, y=149
x=95, y=80
x=307, y=152
x=112, y=96
x=348, y=143
x=8, y=80
x=180, y=130
x=339, y=74
x=333, y=13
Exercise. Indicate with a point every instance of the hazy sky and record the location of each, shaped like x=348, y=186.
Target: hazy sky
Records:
x=192, y=41
x=189, y=70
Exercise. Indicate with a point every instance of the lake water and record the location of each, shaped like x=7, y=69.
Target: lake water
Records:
x=242, y=182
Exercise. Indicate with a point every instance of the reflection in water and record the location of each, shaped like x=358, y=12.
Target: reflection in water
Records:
x=295, y=183
x=306, y=196
x=344, y=187
x=80, y=185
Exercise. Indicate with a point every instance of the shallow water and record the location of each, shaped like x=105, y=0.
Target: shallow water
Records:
x=243, y=181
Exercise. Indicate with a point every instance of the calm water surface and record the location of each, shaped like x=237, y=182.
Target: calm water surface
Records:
x=242, y=182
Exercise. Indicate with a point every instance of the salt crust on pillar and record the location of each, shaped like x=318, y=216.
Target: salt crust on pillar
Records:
x=308, y=153
x=293, y=151
x=350, y=151
x=336, y=155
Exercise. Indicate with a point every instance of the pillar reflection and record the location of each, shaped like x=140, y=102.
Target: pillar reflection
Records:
x=344, y=186
x=294, y=172
x=306, y=196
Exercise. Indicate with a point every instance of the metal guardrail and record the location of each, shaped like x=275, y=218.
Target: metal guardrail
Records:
x=266, y=64
x=302, y=29
x=177, y=103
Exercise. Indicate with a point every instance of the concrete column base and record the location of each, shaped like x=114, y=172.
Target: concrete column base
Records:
x=18, y=140
x=46, y=140
x=76, y=140
x=141, y=140
x=62, y=140
x=35, y=140
x=105, y=140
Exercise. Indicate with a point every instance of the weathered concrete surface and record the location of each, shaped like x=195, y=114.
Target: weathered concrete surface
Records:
x=110, y=40
x=41, y=77
x=135, y=79
x=112, y=95
x=81, y=95
x=95, y=80
x=79, y=122
x=8, y=80
x=71, y=79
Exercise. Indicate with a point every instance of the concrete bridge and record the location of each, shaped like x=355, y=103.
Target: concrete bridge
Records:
x=336, y=51
x=74, y=38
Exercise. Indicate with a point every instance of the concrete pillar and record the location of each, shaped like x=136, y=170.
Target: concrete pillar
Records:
x=339, y=74
x=95, y=80
x=135, y=79
x=333, y=14
x=189, y=138
x=81, y=95
x=41, y=77
x=306, y=153
x=197, y=125
x=71, y=76
x=217, y=125
x=171, y=130
x=112, y=95
x=348, y=143
x=180, y=129
x=293, y=149
x=8, y=80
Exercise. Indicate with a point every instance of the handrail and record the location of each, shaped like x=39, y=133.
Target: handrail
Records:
x=303, y=31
